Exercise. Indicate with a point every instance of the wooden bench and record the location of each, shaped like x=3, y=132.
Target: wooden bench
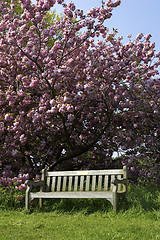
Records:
x=79, y=184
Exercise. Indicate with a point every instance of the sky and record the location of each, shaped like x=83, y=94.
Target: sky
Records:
x=131, y=17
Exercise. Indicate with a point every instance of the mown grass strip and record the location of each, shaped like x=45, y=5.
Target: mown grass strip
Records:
x=138, y=218
x=48, y=226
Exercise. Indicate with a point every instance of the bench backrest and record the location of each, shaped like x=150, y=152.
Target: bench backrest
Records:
x=86, y=180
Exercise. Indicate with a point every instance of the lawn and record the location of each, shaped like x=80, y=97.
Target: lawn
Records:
x=138, y=218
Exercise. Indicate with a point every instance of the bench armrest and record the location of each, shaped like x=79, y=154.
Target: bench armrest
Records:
x=31, y=183
x=120, y=181
x=117, y=181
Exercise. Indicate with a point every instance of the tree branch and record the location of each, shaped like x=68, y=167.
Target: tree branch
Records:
x=80, y=149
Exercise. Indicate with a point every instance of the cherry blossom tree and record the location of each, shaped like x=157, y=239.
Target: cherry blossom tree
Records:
x=72, y=93
x=17, y=6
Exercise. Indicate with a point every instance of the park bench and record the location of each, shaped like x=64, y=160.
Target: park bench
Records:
x=79, y=184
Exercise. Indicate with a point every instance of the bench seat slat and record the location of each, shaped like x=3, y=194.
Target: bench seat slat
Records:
x=96, y=194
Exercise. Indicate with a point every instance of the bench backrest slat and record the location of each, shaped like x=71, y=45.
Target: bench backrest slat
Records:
x=59, y=184
x=53, y=186
x=112, y=180
x=81, y=183
x=93, y=183
x=87, y=183
x=64, y=184
x=106, y=183
x=75, y=183
x=99, y=183
x=70, y=183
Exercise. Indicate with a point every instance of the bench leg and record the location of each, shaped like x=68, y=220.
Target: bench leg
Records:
x=40, y=202
x=115, y=202
x=27, y=199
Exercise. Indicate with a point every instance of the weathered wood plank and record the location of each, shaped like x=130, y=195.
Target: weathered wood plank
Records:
x=87, y=183
x=99, y=183
x=59, y=184
x=112, y=180
x=75, y=183
x=106, y=183
x=81, y=183
x=93, y=183
x=53, y=184
x=64, y=184
x=70, y=184
x=78, y=194
x=86, y=173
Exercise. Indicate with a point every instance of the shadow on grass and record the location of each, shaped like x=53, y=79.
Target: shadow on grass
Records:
x=85, y=206
x=140, y=198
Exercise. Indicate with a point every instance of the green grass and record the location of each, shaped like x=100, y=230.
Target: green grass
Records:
x=138, y=218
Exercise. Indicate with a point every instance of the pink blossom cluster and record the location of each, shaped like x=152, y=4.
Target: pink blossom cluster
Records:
x=14, y=184
x=69, y=101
